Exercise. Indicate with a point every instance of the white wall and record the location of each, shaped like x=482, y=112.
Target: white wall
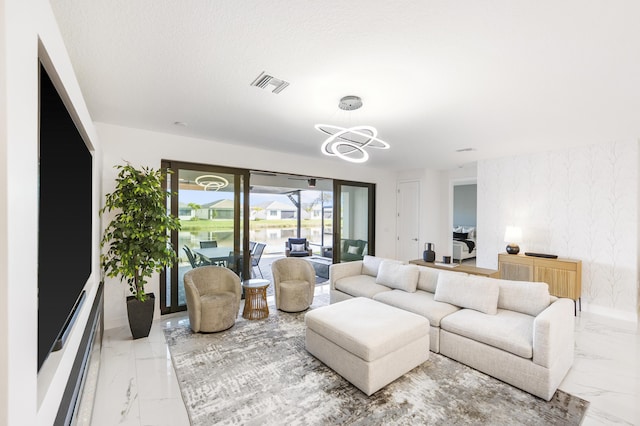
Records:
x=147, y=148
x=579, y=203
x=27, y=397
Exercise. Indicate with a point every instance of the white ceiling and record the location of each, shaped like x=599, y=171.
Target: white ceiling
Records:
x=502, y=77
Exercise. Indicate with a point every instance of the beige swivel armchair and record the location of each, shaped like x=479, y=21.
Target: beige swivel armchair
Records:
x=294, y=280
x=213, y=298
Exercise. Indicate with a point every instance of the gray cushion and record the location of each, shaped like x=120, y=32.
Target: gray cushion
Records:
x=395, y=275
x=470, y=291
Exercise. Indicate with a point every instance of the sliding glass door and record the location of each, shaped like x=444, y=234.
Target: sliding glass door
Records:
x=354, y=223
x=213, y=205
x=211, y=202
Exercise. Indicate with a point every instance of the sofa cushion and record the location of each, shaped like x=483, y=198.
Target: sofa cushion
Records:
x=526, y=297
x=370, y=264
x=360, y=286
x=473, y=292
x=507, y=330
x=428, y=277
x=420, y=302
x=397, y=275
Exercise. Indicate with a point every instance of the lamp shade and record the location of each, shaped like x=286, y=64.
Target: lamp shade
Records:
x=513, y=234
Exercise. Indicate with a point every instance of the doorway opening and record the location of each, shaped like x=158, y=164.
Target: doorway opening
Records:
x=284, y=206
x=465, y=213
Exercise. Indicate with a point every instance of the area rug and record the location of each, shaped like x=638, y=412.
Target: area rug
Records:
x=259, y=373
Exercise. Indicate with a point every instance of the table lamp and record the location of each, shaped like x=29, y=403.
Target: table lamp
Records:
x=512, y=236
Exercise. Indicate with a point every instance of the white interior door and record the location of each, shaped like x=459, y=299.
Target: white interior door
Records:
x=408, y=220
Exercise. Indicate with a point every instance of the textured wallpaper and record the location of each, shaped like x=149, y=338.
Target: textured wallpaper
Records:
x=579, y=203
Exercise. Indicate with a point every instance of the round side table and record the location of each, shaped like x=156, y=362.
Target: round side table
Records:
x=255, y=299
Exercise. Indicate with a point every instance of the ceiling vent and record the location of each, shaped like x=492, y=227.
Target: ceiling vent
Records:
x=264, y=81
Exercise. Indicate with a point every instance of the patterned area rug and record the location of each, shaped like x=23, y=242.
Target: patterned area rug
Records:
x=259, y=373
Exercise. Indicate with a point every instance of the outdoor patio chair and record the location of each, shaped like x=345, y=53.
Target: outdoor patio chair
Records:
x=256, y=255
x=297, y=247
x=195, y=263
x=207, y=244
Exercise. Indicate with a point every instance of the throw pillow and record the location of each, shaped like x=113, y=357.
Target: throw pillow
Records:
x=297, y=247
x=460, y=235
x=470, y=230
x=370, y=264
x=395, y=275
x=472, y=292
x=352, y=250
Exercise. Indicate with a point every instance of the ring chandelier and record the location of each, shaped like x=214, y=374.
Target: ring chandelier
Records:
x=212, y=182
x=349, y=143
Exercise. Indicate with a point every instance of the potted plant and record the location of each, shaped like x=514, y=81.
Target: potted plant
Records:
x=138, y=238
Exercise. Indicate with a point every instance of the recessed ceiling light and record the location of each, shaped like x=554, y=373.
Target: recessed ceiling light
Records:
x=180, y=123
x=465, y=149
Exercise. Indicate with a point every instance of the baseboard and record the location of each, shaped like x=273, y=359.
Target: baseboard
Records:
x=611, y=313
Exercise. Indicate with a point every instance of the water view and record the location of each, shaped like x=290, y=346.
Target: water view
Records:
x=273, y=237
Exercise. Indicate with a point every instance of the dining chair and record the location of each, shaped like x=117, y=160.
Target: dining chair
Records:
x=192, y=258
x=235, y=263
x=256, y=255
x=208, y=244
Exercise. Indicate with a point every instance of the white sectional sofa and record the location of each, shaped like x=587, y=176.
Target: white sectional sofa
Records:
x=512, y=330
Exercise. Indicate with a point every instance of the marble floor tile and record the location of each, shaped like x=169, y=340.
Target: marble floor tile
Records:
x=137, y=384
x=606, y=370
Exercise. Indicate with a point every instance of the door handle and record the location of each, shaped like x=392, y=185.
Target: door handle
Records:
x=414, y=239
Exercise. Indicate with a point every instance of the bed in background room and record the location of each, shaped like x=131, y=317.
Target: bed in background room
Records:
x=464, y=242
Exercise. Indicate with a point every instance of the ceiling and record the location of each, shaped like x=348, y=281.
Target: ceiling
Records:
x=500, y=77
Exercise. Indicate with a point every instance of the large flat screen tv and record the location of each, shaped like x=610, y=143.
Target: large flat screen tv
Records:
x=64, y=219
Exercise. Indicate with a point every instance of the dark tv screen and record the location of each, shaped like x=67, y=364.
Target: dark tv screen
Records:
x=64, y=218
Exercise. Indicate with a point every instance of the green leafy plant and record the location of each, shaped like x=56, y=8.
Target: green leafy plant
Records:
x=195, y=207
x=137, y=237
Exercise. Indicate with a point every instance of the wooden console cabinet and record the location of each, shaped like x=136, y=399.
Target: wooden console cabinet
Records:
x=564, y=276
x=459, y=268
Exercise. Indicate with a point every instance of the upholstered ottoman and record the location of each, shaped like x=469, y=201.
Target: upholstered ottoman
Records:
x=367, y=342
